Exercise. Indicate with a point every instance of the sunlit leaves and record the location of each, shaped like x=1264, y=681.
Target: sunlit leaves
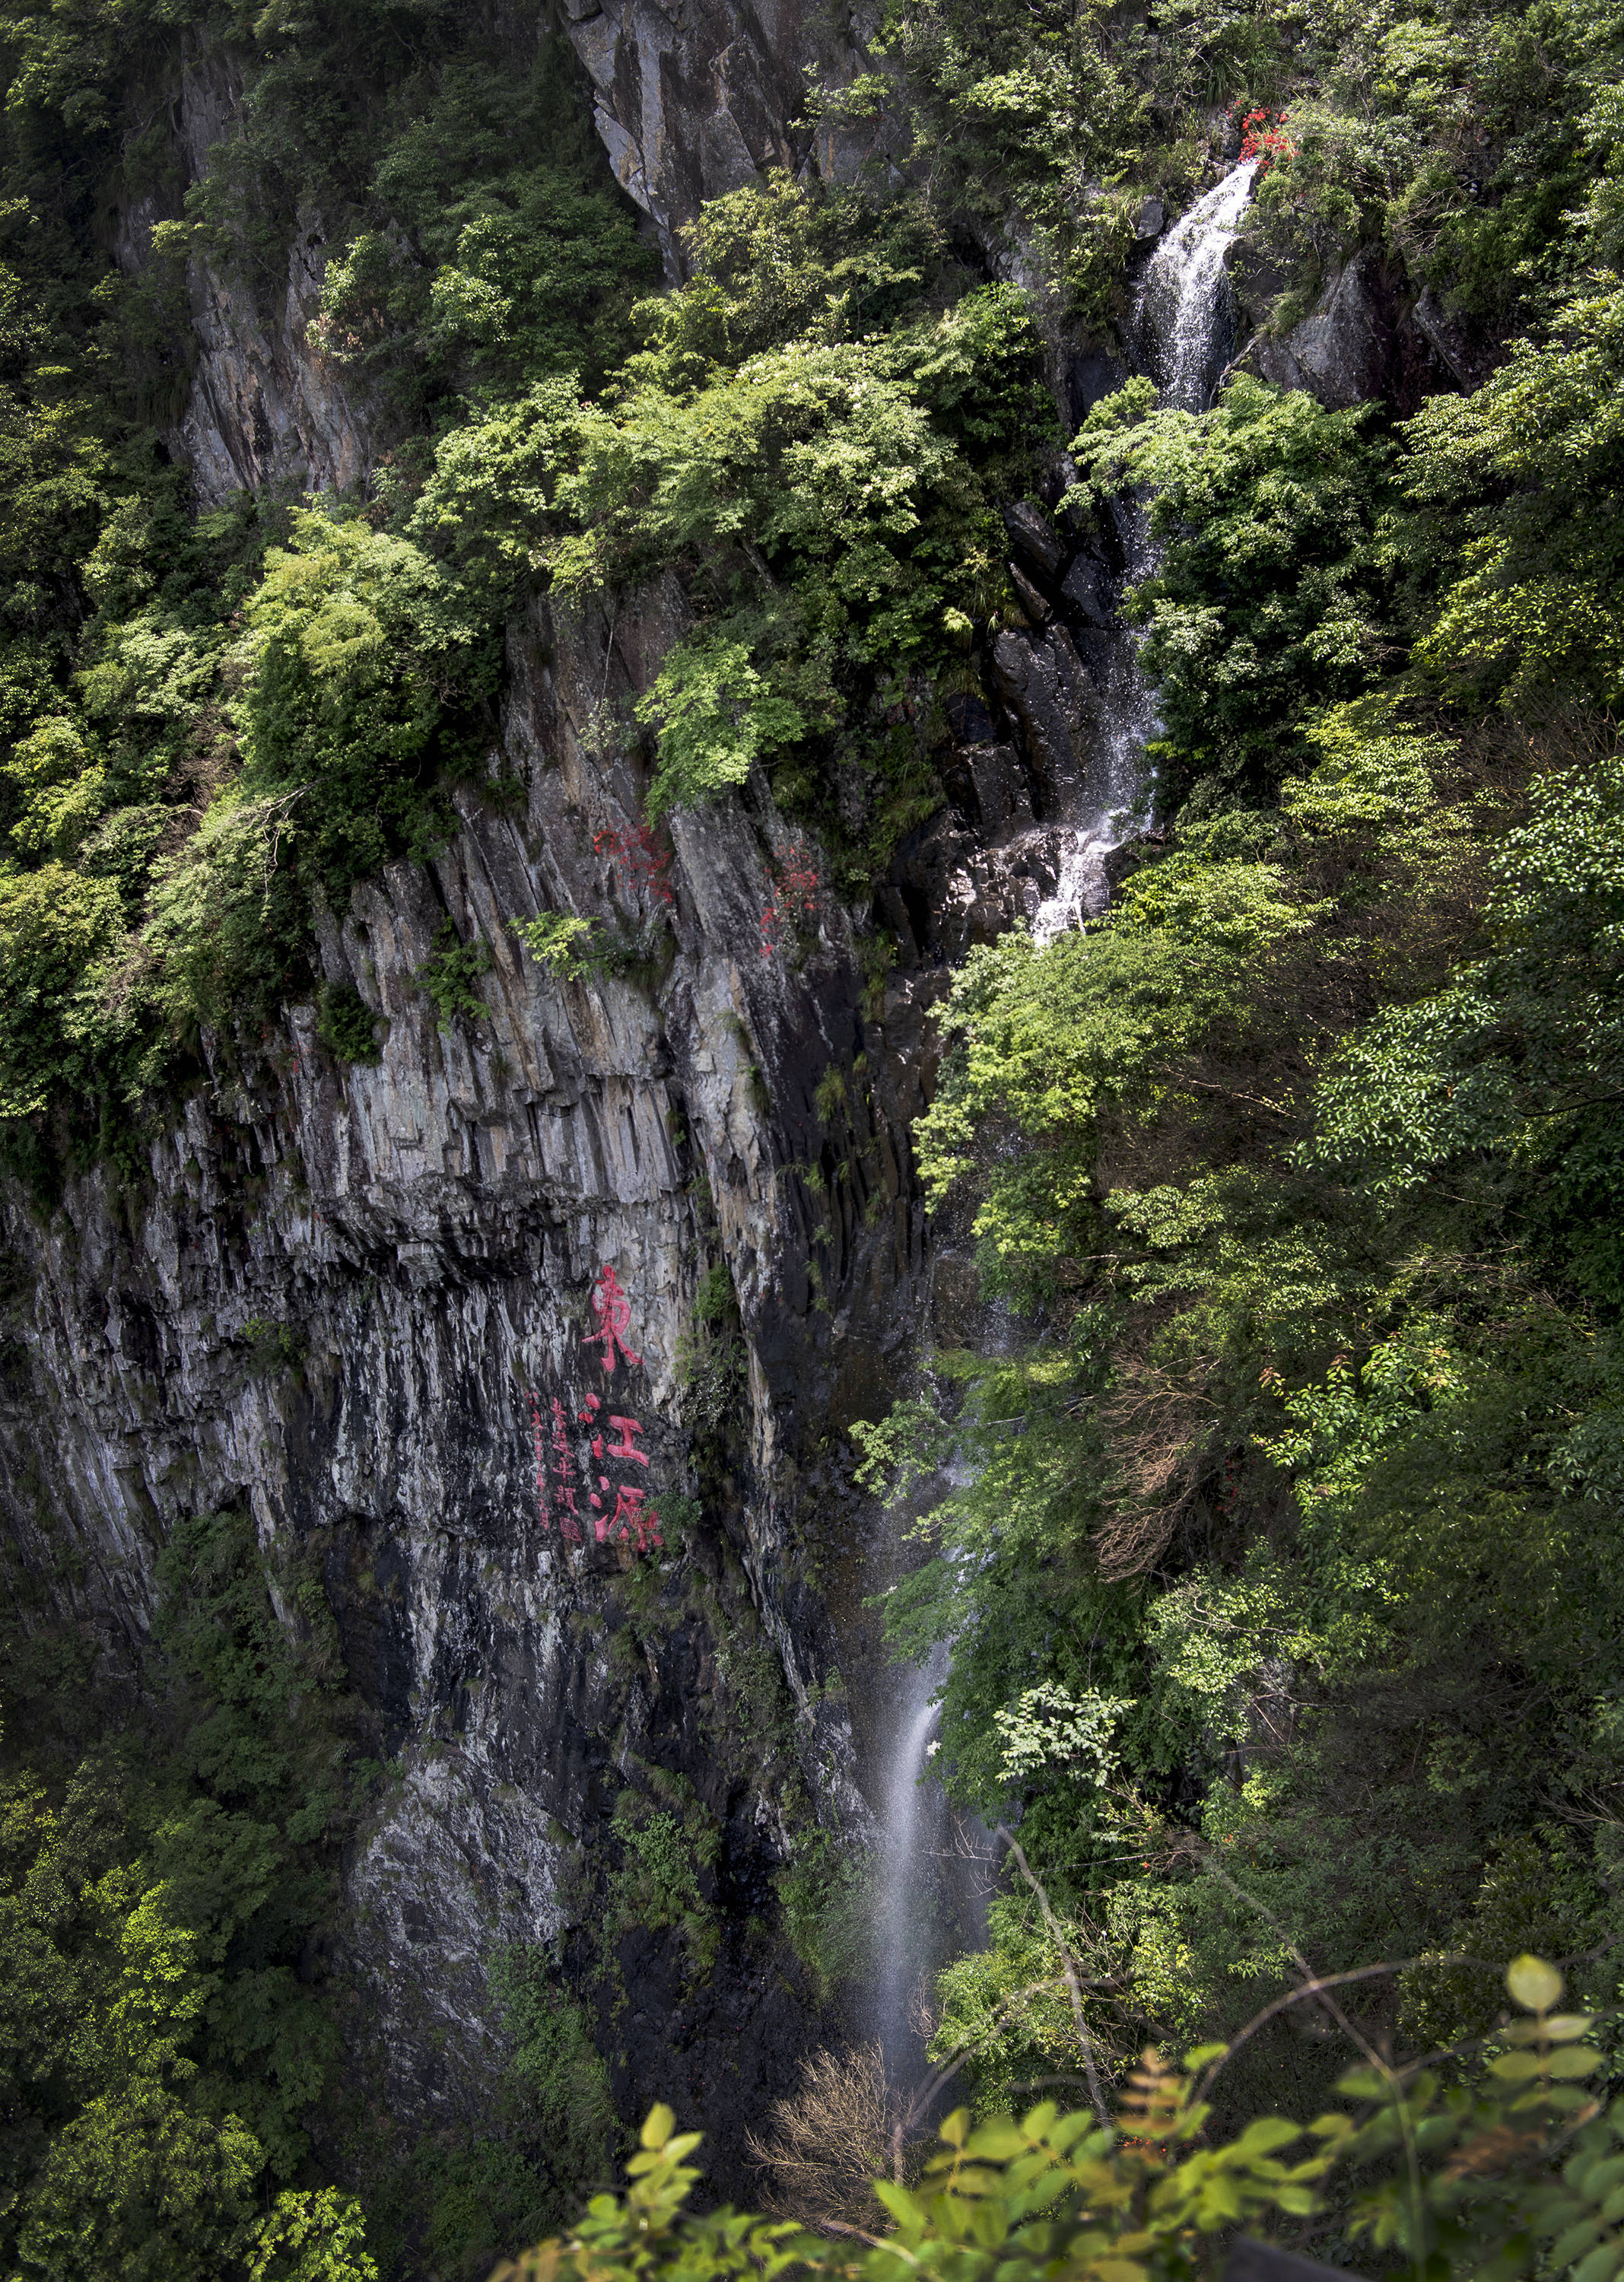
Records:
x=1521, y=480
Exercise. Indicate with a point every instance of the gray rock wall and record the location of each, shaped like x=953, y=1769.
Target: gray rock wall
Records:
x=698, y=98
x=345, y=1291
x=690, y=100
x=345, y=1297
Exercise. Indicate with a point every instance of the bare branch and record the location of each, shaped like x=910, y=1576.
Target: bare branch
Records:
x=1084, y=2038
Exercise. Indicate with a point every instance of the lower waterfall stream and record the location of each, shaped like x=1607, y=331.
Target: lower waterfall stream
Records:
x=934, y=1870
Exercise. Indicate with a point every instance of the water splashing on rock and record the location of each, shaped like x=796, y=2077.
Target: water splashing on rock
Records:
x=1181, y=321
x=1183, y=301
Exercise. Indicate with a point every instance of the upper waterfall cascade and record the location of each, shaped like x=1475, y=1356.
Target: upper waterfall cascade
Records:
x=1180, y=320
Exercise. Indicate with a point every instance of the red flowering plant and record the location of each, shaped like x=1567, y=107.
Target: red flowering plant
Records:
x=794, y=897
x=1264, y=139
x=641, y=855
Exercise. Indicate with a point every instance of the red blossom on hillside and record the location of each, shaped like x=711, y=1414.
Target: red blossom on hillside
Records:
x=642, y=858
x=795, y=896
x=1264, y=139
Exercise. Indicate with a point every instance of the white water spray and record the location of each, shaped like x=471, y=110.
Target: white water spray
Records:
x=1178, y=318
x=912, y=1816
x=1182, y=296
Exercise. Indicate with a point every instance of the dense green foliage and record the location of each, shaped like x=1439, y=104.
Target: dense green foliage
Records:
x=166, y=2043
x=1458, y=2182
x=1293, y=1492
x=209, y=721
x=1375, y=1260
x=1304, y=1168
x=1300, y=1493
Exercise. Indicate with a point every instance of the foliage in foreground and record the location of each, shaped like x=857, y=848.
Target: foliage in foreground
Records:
x=1497, y=2179
x=163, y=2049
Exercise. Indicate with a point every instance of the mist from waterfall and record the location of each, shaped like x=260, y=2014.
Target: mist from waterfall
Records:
x=913, y=1817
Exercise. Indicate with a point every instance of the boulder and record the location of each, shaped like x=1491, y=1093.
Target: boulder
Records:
x=1361, y=342
x=1034, y=536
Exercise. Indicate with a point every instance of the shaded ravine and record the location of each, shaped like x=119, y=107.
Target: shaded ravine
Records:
x=926, y=1893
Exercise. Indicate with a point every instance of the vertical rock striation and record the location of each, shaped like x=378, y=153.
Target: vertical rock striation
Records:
x=356, y=1299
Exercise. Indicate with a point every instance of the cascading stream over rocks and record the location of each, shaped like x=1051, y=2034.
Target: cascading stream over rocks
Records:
x=1183, y=303
x=641, y=1074
x=1182, y=325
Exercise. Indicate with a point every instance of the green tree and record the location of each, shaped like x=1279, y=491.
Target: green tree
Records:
x=1518, y=487
x=1272, y=597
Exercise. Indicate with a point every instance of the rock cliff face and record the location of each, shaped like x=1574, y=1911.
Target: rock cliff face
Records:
x=360, y=1300
x=691, y=101
x=1367, y=336
x=350, y=1290
x=262, y=407
x=396, y=1309
x=701, y=98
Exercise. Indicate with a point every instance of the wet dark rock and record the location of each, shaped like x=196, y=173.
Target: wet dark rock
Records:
x=1361, y=342
x=1089, y=589
x=1032, y=603
x=1001, y=792
x=1044, y=683
x=968, y=717
x=1034, y=536
x=1089, y=374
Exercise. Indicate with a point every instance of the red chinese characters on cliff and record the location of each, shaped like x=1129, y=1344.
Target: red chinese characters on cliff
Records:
x=613, y=1311
x=631, y=1521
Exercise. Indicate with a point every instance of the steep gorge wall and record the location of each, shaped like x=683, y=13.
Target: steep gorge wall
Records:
x=425, y=1235
x=689, y=101
x=341, y=1295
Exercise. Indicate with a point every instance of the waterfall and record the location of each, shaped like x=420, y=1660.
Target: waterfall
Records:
x=920, y=1889
x=912, y=1816
x=1179, y=321
x=1182, y=300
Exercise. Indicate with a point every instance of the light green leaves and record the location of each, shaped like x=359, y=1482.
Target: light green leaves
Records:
x=658, y=2125
x=56, y=926
x=716, y=714
x=561, y=944
x=344, y=595
x=1537, y=1986
x=1522, y=466
x=1047, y=1726
x=488, y=505
x=311, y=2235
